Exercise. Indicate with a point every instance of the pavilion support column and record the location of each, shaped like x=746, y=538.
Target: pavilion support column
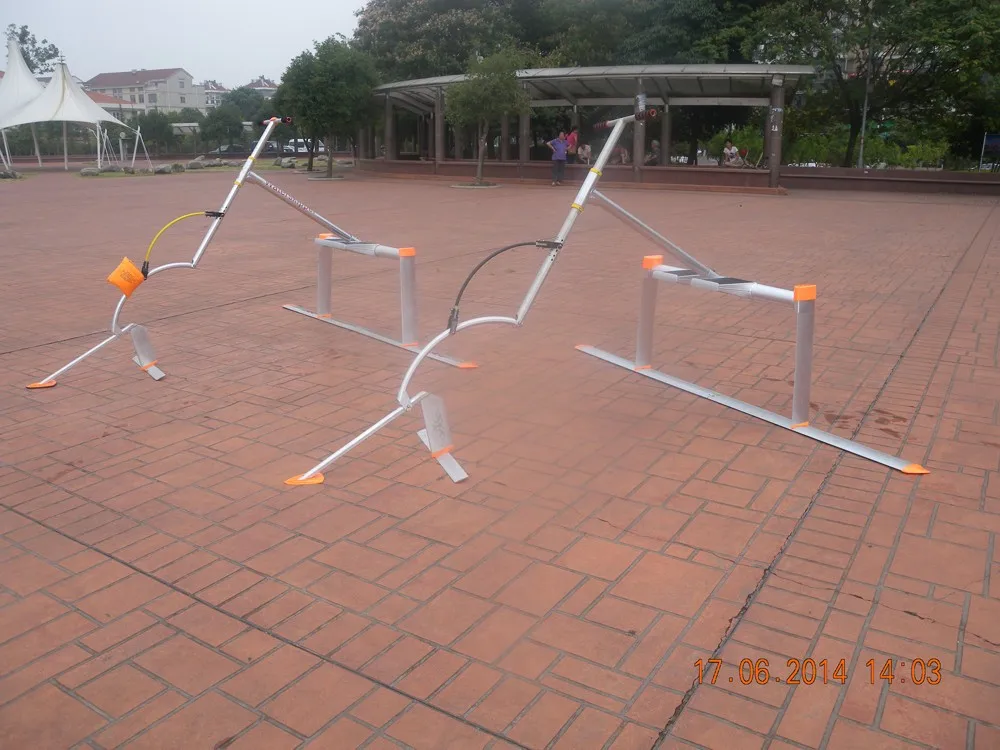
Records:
x=574, y=118
x=638, y=134
x=504, y=154
x=390, y=129
x=775, y=130
x=524, y=138
x=361, y=151
x=440, y=149
x=665, y=136
x=421, y=137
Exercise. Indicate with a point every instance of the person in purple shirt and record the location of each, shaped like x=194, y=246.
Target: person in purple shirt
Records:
x=559, y=148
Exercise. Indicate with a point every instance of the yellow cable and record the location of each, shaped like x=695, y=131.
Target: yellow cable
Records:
x=149, y=250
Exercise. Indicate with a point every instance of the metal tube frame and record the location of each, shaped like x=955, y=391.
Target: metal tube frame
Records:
x=406, y=402
x=407, y=259
x=144, y=359
x=803, y=300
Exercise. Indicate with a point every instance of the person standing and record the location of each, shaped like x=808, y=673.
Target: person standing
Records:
x=572, y=142
x=559, y=148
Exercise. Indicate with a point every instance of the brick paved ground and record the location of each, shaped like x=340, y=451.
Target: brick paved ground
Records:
x=161, y=588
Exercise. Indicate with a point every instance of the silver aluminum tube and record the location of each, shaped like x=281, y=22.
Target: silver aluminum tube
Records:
x=402, y=397
x=805, y=326
x=575, y=210
x=659, y=239
x=78, y=360
x=214, y=226
x=370, y=249
x=301, y=207
x=747, y=290
x=354, y=442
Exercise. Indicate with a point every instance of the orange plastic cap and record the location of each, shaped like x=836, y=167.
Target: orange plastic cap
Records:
x=299, y=481
x=324, y=236
x=649, y=262
x=407, y=252
x=914, y=469
x=48, y=384
x=126, y=277
x=804, y=292
x=798, y=426
x=443, y=451
x=467, y=365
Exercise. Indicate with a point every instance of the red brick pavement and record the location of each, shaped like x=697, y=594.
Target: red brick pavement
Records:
x=160, y=587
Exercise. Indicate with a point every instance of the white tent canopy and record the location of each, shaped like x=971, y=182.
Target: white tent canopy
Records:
x=18, y=86
x=61, y=101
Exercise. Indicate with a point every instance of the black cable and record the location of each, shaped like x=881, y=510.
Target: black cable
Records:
x=453, y=316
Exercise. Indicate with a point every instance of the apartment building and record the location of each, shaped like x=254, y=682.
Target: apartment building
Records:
x=214, y=91
x=263, y=86
x=164, y=89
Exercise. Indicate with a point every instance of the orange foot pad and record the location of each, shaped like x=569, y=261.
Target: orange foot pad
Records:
x=915, y=469
x=49, y=384
x=467, y=366
x=297, y=482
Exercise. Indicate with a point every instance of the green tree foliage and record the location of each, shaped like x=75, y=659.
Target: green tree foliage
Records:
x=422, y=38
x=923, y=56
x=248, y=101
x=223, y=125
x=40, y=56
x=329, y=92
x=490, y=92
x=157, y=130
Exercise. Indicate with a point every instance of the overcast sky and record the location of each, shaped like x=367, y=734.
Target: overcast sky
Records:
x=232, y=42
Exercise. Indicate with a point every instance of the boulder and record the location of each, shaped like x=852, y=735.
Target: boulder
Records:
x=128, y=170
x=8, y=174
x=177, y=167
x=90, y=172
x=163, y=169
x=214, y=163
x=288, y=163
x=196, y=164
x=111, y=168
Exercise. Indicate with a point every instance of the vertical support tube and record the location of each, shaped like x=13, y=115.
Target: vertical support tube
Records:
x=776, y=124
x=524, y=137
x=639, y=133
x=647, y=313
x=390, y=129
x=805, y=324
x=440, y=147
x=504, y=154
x=665, y=136
x=408, y=295
x=324, y=280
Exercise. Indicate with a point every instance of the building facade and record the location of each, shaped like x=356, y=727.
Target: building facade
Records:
x=263, y=86
x=214, y=91
x=163, y=90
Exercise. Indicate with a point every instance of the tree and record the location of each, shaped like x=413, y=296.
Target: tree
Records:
x=422, y=38
x=329, y=92
x=223, y=125
x=922, y=56
x=39, y=56
x=248, y=101
x=490, y=92
x=157, y=130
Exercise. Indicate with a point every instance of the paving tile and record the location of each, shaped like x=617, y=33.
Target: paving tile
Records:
x=316, y=698
x=186, y=664
x=28, y=721
x=206, y=722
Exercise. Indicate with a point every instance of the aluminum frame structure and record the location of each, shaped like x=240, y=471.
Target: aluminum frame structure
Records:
x=145, y=354
x=436, y=435
x=407, y=257
x=802, y=298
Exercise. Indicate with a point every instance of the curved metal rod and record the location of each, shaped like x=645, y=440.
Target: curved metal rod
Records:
x=124, y=299
x=402, y=397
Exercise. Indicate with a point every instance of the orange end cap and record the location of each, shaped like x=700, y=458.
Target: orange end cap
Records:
x=467, y=365
x=298, y=482
x=49, y=384
x=914, y=469
x=649, y=262
x=643, y=367
x=804, y=292
x=407, y=252
x=798, y=426
x=324, y=236
x=151, y=364
x=443, y=451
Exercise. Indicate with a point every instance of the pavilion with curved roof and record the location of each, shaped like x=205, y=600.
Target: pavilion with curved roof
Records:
x=666, y=87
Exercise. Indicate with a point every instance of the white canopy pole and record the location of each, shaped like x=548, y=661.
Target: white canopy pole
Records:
x=38, y=151
x=135, y=149
x=6, y=148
